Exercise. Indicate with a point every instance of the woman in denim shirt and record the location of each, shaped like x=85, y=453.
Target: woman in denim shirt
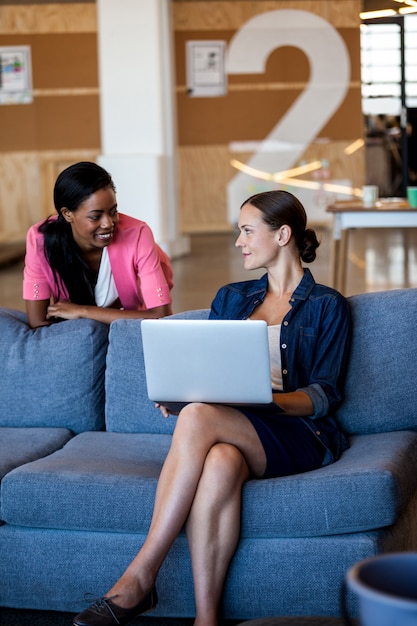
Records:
x=314, y=330
x=215, y=449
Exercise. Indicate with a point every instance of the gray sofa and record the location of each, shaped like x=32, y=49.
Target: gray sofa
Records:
x=81, y=448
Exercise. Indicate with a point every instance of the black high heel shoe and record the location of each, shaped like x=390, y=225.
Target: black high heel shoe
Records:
x=105, y=613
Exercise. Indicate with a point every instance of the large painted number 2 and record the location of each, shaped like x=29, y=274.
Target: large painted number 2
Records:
x=329, y=80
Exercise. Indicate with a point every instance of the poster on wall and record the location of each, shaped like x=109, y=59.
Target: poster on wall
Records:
x=206, y=73
x=15, y=75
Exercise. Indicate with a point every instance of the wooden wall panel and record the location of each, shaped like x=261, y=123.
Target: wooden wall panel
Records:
x=204, y=174
x=62, y=59
x=26, y=189
x=203, y=204
x=62, y=124
x=77, y=17
x=254, y=104
x=20, y=191
x=51, y=123
x=251, y=115
x=65, y=110
x=231, y=14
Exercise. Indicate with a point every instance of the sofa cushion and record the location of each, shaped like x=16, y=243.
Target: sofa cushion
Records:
x=128, y=408
x=107, y=481
x=52, y=376
x=98, y=481
x=22, y=445
x=379, y=394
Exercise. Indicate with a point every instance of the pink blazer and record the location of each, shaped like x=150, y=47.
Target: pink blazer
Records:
x=141, y=270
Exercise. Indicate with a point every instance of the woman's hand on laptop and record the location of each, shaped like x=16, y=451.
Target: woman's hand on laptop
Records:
x=164, y=410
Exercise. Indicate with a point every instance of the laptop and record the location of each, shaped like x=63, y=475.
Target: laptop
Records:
x=216, y=361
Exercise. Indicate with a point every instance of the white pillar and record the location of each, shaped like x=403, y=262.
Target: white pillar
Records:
x=137, y=112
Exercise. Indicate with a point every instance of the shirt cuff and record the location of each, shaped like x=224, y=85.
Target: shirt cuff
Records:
x=318, y=398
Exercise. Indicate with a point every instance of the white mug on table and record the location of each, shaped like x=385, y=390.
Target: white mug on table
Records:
x=370, y=195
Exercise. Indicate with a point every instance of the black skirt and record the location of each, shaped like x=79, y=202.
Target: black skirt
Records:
x=291, y=447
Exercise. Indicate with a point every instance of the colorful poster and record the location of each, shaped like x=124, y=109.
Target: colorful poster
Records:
x=15, y=75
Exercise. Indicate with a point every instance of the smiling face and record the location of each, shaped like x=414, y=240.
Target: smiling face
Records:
x=94, y=222
x=259, y=244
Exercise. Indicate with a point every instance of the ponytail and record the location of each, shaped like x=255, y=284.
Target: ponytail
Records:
x=64, y=258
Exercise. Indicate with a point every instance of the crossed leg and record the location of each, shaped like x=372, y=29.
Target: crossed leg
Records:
x=213, y=527
x=213, y=451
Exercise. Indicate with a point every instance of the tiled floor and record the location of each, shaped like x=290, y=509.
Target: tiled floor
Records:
x=377, y=259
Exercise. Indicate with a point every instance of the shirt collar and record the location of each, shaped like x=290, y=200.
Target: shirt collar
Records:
x=305, y=286
x=259, y=286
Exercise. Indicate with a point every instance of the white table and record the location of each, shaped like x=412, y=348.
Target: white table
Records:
x=351, y=214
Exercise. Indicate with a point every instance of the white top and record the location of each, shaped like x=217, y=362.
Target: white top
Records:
x=274, y=334
x=105, y=291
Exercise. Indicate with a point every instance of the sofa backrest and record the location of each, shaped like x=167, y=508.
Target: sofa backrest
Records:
x=380, y=386
x=379, y=394
x=52, y=376
x=128, y=408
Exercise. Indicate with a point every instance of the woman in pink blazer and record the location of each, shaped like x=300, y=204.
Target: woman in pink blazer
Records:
x=90, y=261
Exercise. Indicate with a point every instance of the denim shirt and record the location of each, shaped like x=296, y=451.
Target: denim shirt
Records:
x=315, y=340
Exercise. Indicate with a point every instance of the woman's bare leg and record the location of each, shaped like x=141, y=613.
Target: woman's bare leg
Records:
x=213, y=527
x=199, y=427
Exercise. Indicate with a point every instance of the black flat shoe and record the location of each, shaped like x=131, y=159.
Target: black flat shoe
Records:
x=105, y=613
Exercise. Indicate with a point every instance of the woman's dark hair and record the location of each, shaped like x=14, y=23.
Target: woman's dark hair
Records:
x=281, y=207
x=73, y=186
